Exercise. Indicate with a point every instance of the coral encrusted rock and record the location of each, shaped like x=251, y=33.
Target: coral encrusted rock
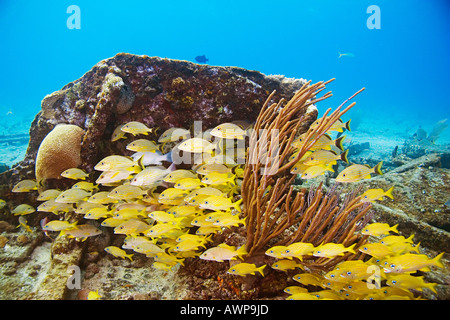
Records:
x=158, y=92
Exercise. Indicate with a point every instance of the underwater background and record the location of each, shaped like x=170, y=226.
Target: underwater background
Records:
x=404, y=65
x=397, y=50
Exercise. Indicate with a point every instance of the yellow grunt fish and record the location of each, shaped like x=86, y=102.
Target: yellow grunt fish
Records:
x=48, y=194
x=73, y=196
x=376, y=194
x=357, y=172
x=118, y=134
x=308, y=279
x=215, y=178
x=25, y=186
x=75, y=174
x=324, y=157
x=228, y=131
x=116, y=163
x=196, y=145
x=315, y=171
x=23, y=209
x=136, y=127
x=127, y=192
x=142, y=145
x=173, y=134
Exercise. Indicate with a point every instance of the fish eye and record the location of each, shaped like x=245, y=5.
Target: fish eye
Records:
x=233, y=270
x=365, y=248
x=365, y=197
x=350, y=287
x=349, y=273
x=343, y=175
x=332, y=276
x=394, y=281
x=206, y=202
x=392, y=266
x=287, y=251
x=318, y=251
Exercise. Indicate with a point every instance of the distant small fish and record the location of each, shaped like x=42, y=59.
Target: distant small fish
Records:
x=394, y=153
x=349, y=54
x=243, y=269
x=201, y=59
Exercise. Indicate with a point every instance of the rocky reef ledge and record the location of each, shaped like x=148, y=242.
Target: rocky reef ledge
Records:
x=156, y=91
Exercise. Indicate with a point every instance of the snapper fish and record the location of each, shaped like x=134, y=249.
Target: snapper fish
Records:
x=223, y=252
x=82, y=232
x=213, y=167
x=118, y=253
x=357, y=172
x=378, y=229
x=330, y=250
x=406, y=281
x=411, y=262
x=57, y=225
x=25, y=186
x=243, y=269
x=284, y=265
x=377, y=250
x=298, y=250
x=136, y=127
x=276, y=252
x=75, y=174
x=228, y=131
x=216, y=178
x=220, y=203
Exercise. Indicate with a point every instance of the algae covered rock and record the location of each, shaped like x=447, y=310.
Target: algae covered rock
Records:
x=155, y=91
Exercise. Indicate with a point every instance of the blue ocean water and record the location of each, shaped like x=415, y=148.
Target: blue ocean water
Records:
x=403, y=65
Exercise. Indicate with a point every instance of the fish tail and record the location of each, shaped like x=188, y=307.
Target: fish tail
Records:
x=241, y=251
x=347, y=125
x=389, y=193
x=416, y=248
x=377, y=168
x=436, y=261
x=339, y=142
x=260, y=269
x=237, y=205
x=350, y=249
x=394, y=228
x=231, y=179
x=129, y=256
x=344, y=156
x=431, y=286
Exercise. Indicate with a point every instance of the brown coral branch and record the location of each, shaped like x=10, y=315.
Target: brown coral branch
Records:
x=271, y=205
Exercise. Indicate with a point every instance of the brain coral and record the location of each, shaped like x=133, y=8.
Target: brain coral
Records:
x=60, y=150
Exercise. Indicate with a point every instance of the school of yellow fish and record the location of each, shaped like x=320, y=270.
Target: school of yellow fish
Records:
x=172, y=214
x=387, y=274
